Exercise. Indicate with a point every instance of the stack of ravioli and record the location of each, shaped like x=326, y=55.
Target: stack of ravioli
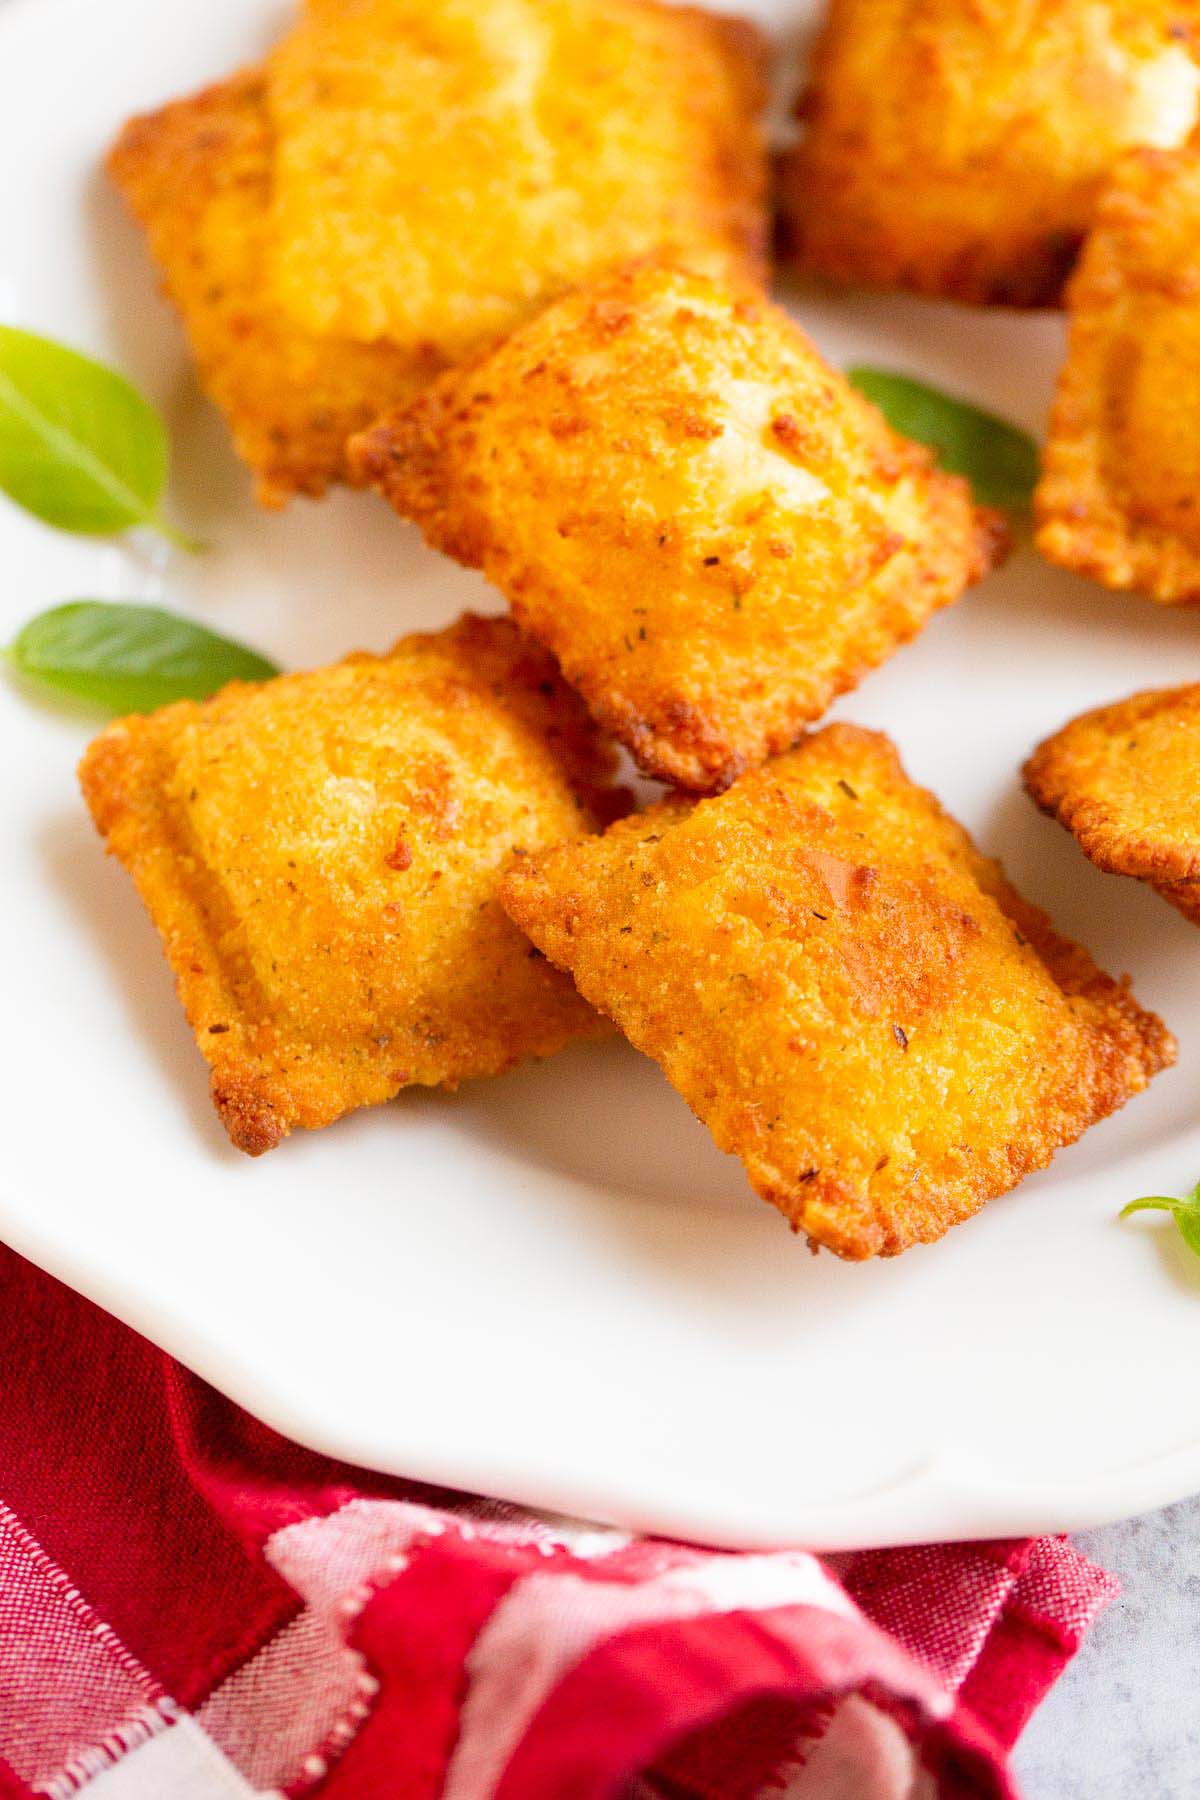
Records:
x=505, y=261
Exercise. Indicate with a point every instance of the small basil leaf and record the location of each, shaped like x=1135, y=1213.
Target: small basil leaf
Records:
x=1188, y=1220
x=1000, y=461
x=1150, y=1203
x=125, y=658
x=1186, y=1213
x=79, y=446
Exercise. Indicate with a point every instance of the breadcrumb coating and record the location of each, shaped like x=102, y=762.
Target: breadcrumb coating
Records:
x=403, y=181
x=1119, y=497
x=322, y=854
x=197, y=175
x=957, y=147
x=852, y=998
x=712, y=532
x=1125, y=781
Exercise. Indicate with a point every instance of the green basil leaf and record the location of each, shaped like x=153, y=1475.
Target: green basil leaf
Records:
x=126, y=658
x=1188, y=1221
x=1149, y=1203
x=1000, y=461
x=1186, y=1213
x=79, y=446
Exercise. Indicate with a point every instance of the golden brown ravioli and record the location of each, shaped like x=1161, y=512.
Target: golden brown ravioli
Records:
x=1125, y=781
x=404, y=180
x=957, y=147
x=1119, y=497
x=709, y=528
x=322, y=855
x=850, y=997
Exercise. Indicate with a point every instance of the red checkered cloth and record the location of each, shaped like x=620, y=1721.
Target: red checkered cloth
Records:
x=192, y=1608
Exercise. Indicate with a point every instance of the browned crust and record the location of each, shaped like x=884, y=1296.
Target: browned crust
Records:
x=1127, y=829
x=958, y=149
x=123, y=775
x=1027, y=271
x=1130, y=1045
x=1093, y=502
x=740, y=157
x=276, y=1066
x=1184, y=896
x=679, y=743
x=428, y=462
x=584, y=905
x=197, y=174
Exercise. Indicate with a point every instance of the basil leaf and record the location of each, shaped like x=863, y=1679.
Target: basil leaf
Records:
x=1000, y=461
x=125, y=658
x=1186, y=1213
x=79, y=446
x=1188, y=1221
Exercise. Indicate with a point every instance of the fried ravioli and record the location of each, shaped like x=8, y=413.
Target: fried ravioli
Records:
x=403, y=181
x=957, y=147
x=1125, y=781
x=711, y=531
x=1119, y=497
x=322, y=854
x=852, y=999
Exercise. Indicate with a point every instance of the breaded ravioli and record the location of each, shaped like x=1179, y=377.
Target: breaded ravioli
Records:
x=198, y=177
x=709, y=528
x=1125, y=781
x=851, y=997
x=1119, y=497
x=957, y=147
x=403, y=181
x=322, y=855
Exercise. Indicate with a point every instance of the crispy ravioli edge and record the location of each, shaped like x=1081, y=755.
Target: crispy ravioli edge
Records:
x=122, y=775
x=1136, y=1045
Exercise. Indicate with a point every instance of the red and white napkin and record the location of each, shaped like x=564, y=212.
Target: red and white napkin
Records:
x=193, y=1608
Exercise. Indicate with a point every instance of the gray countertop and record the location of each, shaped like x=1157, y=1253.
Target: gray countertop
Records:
x=1123, y=1723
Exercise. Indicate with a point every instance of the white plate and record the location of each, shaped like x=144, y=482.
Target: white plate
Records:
x=552, y=1287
